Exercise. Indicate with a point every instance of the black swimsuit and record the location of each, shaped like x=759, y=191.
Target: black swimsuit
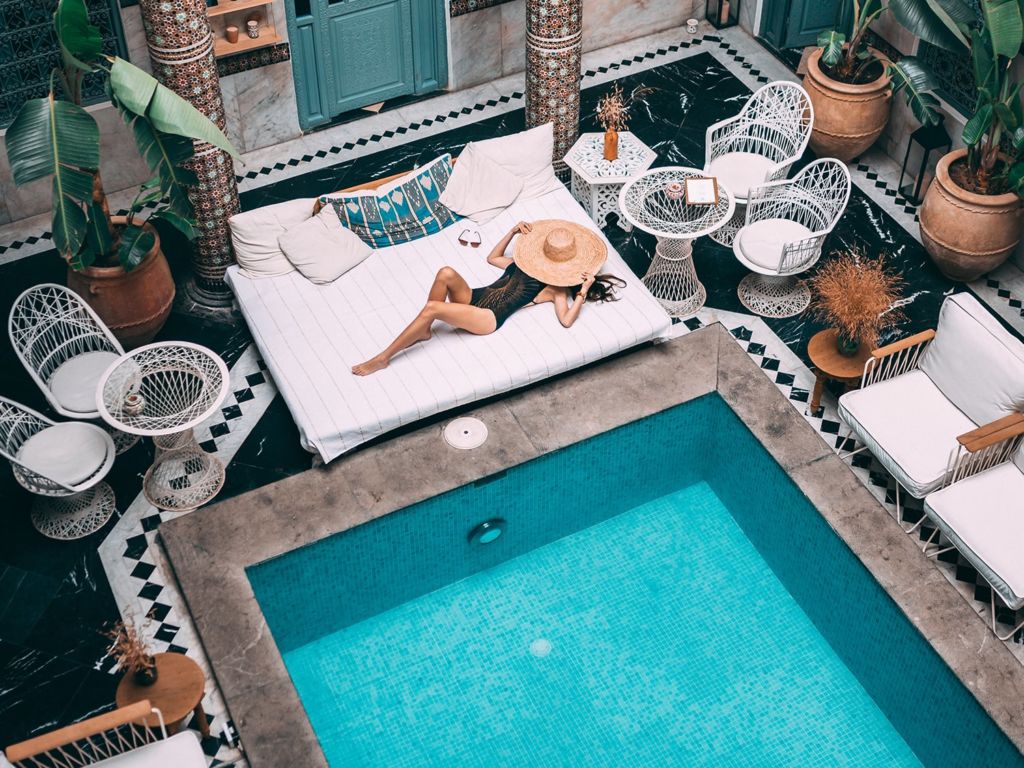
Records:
x=513, y=290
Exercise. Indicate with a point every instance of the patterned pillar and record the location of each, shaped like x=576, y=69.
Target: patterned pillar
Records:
x=554, y=48
x=181, y=50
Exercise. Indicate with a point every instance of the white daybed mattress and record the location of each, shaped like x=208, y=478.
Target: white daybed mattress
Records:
x=311, y=335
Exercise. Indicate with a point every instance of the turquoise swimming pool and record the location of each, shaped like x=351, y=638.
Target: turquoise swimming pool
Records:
x=661, y=594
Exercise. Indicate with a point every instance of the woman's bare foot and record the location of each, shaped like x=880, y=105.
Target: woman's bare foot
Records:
x=372, y=365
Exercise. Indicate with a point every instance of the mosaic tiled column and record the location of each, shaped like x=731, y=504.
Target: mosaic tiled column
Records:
x=181, y=50
x=554, y=48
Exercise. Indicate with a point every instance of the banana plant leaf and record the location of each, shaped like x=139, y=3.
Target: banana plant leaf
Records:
x=977, y=126
x=80, y=42
x=1004, y=26
x=141, y=94
x=164, y=153
x=939, y=22
x=911, y=77
x=59, y=139
x=831, y=43
x=98, y=240
x=184, y=225
x=135, y=244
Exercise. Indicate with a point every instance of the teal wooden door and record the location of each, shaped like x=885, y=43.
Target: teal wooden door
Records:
x=349, y=54
x=796, y=23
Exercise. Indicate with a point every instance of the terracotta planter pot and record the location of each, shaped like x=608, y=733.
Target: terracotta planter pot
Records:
x=967, y=234
x=847, y=118
x=135, y=304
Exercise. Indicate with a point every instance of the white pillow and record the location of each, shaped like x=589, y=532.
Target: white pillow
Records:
x=976, y=363
x=527, y=155
x=254, y=235
x=479, y=187
x=321, y=248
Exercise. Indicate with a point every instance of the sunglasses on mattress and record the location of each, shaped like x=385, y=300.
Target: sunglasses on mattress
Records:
x=471, y=238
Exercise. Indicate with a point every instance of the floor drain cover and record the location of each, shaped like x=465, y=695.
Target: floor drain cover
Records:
x=465, y=433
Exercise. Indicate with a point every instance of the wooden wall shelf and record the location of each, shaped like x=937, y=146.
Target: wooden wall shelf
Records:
x=268, y=36
x=231, y=6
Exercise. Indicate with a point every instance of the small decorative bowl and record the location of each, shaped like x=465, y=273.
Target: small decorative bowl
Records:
x=674, y=190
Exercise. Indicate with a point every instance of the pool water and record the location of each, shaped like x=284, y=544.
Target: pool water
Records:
x=663, y=594
x=623, y=643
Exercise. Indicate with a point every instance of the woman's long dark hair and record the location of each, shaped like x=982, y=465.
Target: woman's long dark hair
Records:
x=603, y=289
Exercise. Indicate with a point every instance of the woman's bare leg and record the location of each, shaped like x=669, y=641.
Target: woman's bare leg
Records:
x=473, y=319
x=449, y=285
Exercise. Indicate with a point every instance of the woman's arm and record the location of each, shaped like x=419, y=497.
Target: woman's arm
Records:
x=567, y=314
x=497, y=257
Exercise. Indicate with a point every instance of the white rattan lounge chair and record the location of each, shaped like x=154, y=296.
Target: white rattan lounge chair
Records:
x=64, y=465
x=759, y=144
x=65, y=348
x=919, y=396
x=118, y=739
x=786, y=226
x=981, y=511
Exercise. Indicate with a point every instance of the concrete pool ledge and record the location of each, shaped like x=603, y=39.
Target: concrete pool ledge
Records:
x=210, y=549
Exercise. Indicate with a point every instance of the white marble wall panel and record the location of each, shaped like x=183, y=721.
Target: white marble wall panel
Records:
x=513, y=37
x=476, y=45
x=606, y=22
x=135, y=38
x=265, y=103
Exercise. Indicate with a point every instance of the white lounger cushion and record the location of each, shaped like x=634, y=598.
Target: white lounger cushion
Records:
x=976, y=362
x=984, y=517
x=739, y=171
x=74, y=383
x=480, y=188
x=321, y=248
x=182, y=750
x=527, y=155
x=254, y=236
x=761, y=243
x=310, y=336
x=909, y=426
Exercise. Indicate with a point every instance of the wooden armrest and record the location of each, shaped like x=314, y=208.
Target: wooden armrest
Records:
x=994, y=432
x=134, y=713
x=317, y=205
x=899, y=346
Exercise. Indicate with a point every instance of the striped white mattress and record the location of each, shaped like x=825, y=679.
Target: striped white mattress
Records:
x=311, y=335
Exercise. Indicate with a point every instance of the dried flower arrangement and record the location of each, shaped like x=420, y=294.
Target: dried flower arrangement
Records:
x=857, y=295
x=131, y=652
x=613, y=108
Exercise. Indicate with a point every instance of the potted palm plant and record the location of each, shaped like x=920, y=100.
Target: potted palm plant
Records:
x=970, y=219
x=114, y=262
x=851, y=85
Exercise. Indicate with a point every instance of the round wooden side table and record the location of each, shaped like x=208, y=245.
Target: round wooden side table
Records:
x=178, y=691
x=829, y=365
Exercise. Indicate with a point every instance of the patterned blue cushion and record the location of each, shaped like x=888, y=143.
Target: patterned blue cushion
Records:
x=405, y=212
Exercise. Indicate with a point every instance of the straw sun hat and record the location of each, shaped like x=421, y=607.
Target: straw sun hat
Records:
x=557, y=252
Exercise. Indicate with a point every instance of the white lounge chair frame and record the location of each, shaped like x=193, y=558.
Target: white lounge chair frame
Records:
x=90, y=741
x=984, y=448
x=775, y=122
x=816, y=198
x=61, y=511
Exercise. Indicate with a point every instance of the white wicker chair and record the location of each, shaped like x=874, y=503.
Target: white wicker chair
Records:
x=786, y=226
x=65, y=348
x=759, y=144
x=64, y=465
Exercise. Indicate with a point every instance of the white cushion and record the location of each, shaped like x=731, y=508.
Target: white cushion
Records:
x=528, y=155
x=761, y=243
x=480, y=188
x=182, y=750
x=254, y=235
x=976, y=362
x=984, y=517
x=739, y=171
x=321, y=248
x=909, y=426
x=69, y=452
x=74, y=383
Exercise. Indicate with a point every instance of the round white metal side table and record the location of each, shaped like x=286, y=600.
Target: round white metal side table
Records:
x=162, y=391
x=655, y=203
x=596, y=182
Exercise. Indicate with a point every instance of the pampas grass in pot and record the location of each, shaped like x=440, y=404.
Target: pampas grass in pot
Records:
x=858, y=296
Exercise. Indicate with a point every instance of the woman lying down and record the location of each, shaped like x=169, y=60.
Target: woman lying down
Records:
x=553, y=262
